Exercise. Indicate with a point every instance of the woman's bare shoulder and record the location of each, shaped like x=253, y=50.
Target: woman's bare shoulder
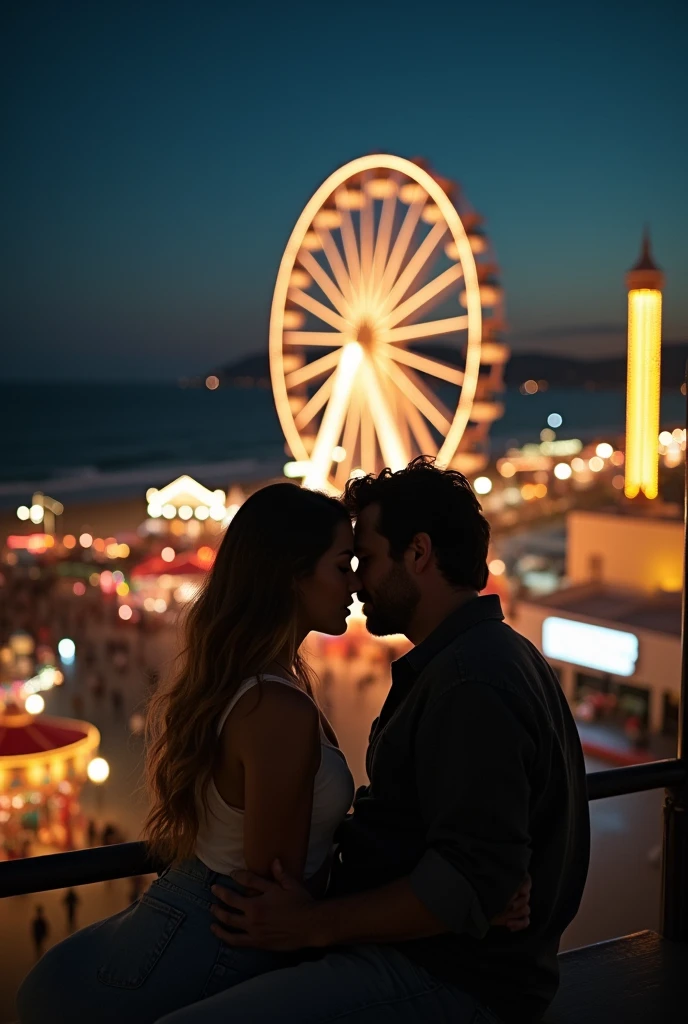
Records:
x=271, y=699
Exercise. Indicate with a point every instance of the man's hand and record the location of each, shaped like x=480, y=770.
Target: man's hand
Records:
x=280, y=916
x=516, y=917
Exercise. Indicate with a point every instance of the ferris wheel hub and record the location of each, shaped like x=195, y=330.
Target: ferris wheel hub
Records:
x=365, y=335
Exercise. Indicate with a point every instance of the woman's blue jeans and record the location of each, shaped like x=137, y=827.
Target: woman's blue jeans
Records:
x=147, y=961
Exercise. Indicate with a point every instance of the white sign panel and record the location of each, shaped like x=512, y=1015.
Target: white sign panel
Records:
x=581, y=643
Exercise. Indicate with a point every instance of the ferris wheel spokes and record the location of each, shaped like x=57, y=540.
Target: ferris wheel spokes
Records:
x=349, y=440
x=400, y=247
x=366, y=230
x=314, y=369
x=391, y=447
x=384, y=237
x=434, y=411
x=318, y=338
x=313, y=406
x=343, y=380
x=419, y=427
x=427, y=296
x=420, y=258
x=325, y=283
x=434, y=367
x=426, y=329
x=318, y=309
x=336, y=262
x=351, y=252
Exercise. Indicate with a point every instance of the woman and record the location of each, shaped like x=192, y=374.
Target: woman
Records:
x=241, y=765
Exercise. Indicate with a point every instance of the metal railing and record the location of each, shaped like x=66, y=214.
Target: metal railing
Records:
x=122, y=860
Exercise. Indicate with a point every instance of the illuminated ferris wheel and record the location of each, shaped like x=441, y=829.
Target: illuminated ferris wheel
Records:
x=385, y=326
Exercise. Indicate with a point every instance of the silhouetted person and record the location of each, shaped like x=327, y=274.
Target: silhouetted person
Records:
x=97, y=686
x=109, y=835
x=39, y=931
x=91, y=832
x=71, y=902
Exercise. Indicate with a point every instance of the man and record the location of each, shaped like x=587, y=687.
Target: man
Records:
x=476, y=778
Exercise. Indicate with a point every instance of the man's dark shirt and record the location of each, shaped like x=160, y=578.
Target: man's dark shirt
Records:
x=476, y=777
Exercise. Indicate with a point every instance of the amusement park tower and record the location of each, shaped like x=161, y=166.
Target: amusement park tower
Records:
x=645, y=282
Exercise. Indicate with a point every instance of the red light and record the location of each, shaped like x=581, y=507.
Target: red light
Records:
x=36, y=543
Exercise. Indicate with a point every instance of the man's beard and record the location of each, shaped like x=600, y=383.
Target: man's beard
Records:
x=395, y=601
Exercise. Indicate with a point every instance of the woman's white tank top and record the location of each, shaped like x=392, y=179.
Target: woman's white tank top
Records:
x=220, y=839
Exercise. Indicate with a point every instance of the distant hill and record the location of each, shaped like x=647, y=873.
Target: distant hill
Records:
x=598, y=374
x=559, y=371
x=247, y=372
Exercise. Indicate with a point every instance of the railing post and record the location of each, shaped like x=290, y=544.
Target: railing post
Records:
x=675, y=856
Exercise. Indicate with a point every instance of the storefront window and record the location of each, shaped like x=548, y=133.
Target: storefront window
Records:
x=670, y=716
x=607, y=700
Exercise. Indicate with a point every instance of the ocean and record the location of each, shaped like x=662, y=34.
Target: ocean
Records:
x=93, y=440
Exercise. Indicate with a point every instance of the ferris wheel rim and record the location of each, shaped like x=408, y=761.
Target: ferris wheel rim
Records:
x=473, y=305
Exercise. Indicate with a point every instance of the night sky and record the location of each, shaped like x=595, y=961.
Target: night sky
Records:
x=158, y=154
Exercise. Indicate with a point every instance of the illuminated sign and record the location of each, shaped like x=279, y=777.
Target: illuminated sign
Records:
x=581, y=643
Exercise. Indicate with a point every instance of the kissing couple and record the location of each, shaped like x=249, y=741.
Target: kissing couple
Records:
x=441, y=895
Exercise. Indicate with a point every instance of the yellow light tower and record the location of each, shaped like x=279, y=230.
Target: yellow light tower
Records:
x=645, y=282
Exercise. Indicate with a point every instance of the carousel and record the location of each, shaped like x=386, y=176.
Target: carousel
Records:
x=44, y=761
x=43, y=766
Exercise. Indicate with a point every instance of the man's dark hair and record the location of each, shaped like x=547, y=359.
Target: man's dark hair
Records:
x=425, y=499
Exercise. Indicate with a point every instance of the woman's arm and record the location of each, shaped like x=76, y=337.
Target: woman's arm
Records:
x=277, y=742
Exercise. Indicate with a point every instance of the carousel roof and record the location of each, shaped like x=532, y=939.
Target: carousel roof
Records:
x=21, y=733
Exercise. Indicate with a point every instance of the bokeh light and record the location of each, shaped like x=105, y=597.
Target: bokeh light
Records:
x=66, y=648
x=98, y=770
x=34, y=704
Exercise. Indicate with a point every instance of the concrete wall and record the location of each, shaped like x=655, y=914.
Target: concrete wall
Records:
x=624, y=551
x=658, y=668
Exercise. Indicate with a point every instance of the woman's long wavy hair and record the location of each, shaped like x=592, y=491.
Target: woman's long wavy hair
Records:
x=243, y=618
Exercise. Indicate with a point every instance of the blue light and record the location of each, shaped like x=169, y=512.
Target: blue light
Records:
x=554, y=420
x=66, y=649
